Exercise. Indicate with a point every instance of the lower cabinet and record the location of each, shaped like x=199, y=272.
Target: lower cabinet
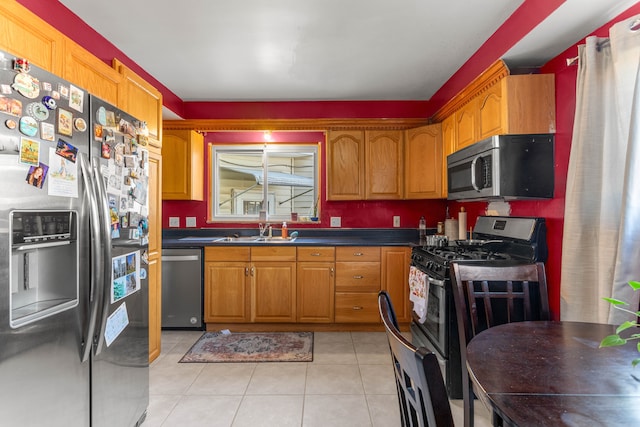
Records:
x=323, y=284
x=357, y=284
x=227, y=285
x=316, y=284
x=395, y=279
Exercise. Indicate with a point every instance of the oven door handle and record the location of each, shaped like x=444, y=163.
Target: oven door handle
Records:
x=436, y=282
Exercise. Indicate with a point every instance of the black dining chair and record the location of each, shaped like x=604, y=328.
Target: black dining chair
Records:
x=487, y=295
x=421, y=391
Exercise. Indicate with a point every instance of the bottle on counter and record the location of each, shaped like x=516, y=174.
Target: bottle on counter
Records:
x=285, y=231
x=422, y=229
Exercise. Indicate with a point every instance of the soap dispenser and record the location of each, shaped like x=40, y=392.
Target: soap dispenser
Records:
x=285, y=232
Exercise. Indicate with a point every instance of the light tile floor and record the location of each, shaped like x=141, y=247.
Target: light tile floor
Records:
x=349, y=383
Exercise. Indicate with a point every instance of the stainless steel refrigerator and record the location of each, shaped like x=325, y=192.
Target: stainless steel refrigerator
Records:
x=73, y=246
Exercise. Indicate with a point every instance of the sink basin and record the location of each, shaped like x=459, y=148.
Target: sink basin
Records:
x=276, y=239
x=237, y=239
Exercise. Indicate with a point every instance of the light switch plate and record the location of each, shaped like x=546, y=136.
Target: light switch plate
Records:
x=191, y=221
x=396, y=221
x=336, y=221
x=174, y=221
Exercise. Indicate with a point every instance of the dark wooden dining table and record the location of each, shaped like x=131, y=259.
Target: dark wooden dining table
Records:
x=554, y=374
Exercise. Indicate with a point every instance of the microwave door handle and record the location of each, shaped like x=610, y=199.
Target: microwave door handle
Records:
x=474, y=162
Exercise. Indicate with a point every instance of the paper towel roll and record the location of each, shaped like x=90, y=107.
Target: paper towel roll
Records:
x=462, y=225
x=451, y=229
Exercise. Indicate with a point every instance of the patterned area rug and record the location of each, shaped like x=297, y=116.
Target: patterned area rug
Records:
x=215, y=347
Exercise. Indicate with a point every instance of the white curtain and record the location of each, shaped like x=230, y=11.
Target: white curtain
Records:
x=601, y=240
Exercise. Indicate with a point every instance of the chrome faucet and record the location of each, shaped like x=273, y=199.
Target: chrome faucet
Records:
x=264, y=228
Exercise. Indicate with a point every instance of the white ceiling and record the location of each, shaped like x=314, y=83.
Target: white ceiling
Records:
x=285, y=50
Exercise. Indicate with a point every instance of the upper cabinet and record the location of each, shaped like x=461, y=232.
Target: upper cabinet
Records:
x=497, y=102
x=141, y=100
x=25, y=35
x=423, y=162
x=184, y=178
x=345, y=165
x=518, y=104
x=89, y=72
x=384, y=165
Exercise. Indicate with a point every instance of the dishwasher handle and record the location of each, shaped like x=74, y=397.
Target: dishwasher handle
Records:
x=180, y=258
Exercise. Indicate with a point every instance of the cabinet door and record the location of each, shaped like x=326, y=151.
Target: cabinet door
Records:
x=26, y=35
x=184, y=180
x=142, y=100
x=491, y=112
x=155, y=260
x=226, y=292
x=466, y=124
x=423, y=163
x=87, y=71
x=395, y=276
x=273, y=292
x=155, y=308
x=315, y=292
x=448, y=147
x=384, y=165
x=345, y=165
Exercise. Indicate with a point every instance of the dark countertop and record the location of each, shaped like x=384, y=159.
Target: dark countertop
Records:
x=197, y=238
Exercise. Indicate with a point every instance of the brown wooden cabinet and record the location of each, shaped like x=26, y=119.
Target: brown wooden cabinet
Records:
x=89, y=72
x=395, y=274
x=184, y=180
x=518, y=104
x=466, y=124
x=448, y=147
x=250, y=284
x=384, y=165
x=345, y=165
x=357, y=284
x=423, y=162
x=273, y=284
x=227, y=285
x=141, y=100
x=316, y=284
x=26, y=35
x=155, y=252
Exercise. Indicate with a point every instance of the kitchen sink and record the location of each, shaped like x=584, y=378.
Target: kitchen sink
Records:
x=238, y=239
x=276, y=239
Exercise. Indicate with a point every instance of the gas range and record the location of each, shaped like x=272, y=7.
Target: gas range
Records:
x=494, y=239
x=435, y=260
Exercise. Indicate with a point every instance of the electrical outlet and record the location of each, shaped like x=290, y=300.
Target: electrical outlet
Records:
x=191, y=221
x=174, y=221
x=396, y=221
x=336, y=221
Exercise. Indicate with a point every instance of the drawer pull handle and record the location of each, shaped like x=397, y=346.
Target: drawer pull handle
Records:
x=315, y=254
x=358, y=254
x=358, y=277
x=357, y=307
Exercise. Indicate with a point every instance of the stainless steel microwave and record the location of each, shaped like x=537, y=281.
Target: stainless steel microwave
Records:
x=509, y=167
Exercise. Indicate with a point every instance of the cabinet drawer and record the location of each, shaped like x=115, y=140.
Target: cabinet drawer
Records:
x=358, y=253
x=357, y=307
x=316, y=253
x=227, y=253
x=358, y=276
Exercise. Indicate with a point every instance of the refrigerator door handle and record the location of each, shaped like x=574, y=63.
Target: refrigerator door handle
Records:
x=105, y=255
x=97, y=267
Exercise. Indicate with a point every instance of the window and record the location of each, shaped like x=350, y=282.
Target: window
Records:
x=254, y=182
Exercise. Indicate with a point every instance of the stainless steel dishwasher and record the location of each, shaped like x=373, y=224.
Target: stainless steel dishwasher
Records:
x=182, y=288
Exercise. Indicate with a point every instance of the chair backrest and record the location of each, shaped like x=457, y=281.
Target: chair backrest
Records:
x=487, y=295
x=421, y=391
